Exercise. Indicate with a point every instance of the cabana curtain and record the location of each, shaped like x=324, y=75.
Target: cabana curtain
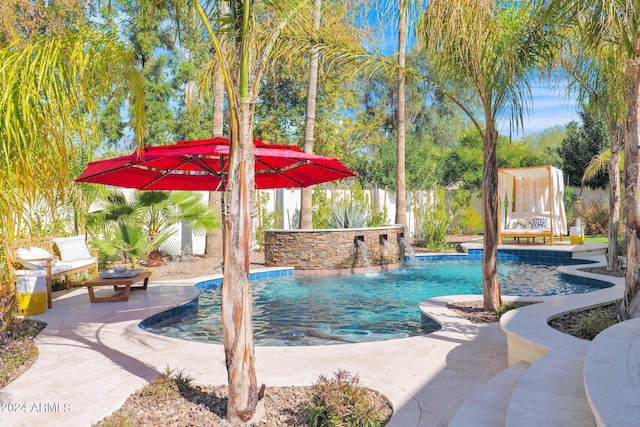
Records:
x=532, y=192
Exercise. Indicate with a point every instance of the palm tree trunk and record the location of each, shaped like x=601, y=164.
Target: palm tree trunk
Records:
x=401, y=200
x=491, y=287
x=614, y=196
x=237, y=301
x=306, y=200
x=213, y=240
x=630, y=305
x=186, y=235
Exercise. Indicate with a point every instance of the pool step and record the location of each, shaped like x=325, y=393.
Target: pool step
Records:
x=488, y=405
x=580, y=251
x=551, y=392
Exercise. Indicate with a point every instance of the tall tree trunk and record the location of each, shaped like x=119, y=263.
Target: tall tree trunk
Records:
x=213, y=240
x=401, y=201
x=614, y=196
x=306, y=201
x=490, y=285
x=630, y=302
x=245, y=404
x=237, y=303
x=186, y=234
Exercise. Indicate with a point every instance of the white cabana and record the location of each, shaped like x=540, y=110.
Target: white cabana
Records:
x=531, y=203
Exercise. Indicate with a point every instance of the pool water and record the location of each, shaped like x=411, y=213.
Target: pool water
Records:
x=324, y=310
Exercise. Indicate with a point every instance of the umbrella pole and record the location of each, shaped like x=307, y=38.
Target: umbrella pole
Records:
x=260, y=219
x=222, y=220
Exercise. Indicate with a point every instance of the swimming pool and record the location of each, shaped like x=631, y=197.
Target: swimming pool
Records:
x=324, y=310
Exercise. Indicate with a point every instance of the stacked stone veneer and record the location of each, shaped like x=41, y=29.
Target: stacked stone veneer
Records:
x=333, y=249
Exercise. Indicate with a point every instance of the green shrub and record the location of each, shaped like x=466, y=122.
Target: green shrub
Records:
x=473, y=221
x=169, y=385
x=321, y=213
x=592, y=325
x=379, y=217
x=340, y=401
x=352, y=212
x=432, y=233
x=570, y=202
x=512, y=305
x=464, y=218
x=595, y=218
x=434, y=226
x=267, y=219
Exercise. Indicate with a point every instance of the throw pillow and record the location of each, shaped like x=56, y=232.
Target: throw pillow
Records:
x=24, y=255
x=72, y=248
x=540, y=222
x=40, y=253
x=524, y=223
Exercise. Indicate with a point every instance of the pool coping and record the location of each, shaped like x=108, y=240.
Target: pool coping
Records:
x=528, y=332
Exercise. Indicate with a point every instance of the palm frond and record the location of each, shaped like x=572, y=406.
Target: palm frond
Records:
x=598, y=164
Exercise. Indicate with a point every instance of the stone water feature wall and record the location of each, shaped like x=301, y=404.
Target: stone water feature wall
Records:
x=345, y=250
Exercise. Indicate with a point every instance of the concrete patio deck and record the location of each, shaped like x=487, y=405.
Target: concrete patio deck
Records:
x=93, y=356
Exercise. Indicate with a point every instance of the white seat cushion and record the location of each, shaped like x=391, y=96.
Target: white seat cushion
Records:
x=59, y=267
x=70, y=265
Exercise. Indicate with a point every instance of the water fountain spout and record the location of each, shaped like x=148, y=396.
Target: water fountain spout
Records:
x=364, y=254
x=363, y=251
x=387, y=245
x=408, y=249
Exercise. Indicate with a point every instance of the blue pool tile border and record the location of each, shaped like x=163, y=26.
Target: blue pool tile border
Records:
x=192, y=306
x=587, y=281
x=215, y=283
x=505, y=255
x=440, y=257
x=186, y=308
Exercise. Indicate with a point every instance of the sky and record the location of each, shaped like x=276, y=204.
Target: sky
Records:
x=550, y=107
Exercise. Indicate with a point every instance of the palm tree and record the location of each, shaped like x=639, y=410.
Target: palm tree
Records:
x=615, y=24
x=145, y=223
x=598, y=79
x=401, y=184
x=23, y=22
x=246, y=38
x=488, y=49
x=54, y=86
x=306, y=204
x=214, y=240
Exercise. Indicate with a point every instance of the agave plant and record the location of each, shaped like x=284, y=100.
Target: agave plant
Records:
x=349, y=214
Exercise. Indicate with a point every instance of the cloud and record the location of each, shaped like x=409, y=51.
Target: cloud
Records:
x=550, y=107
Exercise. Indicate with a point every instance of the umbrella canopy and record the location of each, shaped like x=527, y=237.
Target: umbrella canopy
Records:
x=201, y=165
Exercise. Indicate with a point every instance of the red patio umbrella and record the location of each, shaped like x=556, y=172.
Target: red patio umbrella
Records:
x=201, y=165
